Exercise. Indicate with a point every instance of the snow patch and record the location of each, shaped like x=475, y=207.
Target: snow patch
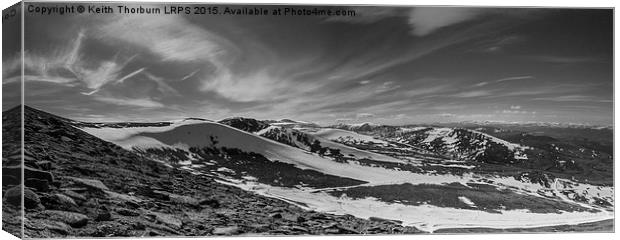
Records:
x=226, y=170
x=424, y=217
x=467, y=201
x=347, y=136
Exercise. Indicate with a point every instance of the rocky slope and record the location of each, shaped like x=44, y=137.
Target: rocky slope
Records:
x=80, y=185
x=11, y=162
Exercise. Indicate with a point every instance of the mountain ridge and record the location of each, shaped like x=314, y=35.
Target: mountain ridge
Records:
x=115, y=192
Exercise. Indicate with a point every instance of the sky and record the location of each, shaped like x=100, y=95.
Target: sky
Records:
x=387, y=65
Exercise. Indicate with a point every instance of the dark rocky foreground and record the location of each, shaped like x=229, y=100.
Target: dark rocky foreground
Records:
x=79, y=185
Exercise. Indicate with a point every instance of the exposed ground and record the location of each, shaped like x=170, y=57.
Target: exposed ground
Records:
x=79, y=185
x=98, y=189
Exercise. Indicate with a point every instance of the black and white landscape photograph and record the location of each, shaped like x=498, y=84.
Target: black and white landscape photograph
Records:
x=234, y=120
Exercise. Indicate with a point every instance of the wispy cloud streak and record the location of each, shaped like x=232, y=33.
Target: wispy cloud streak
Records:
x=514, y=78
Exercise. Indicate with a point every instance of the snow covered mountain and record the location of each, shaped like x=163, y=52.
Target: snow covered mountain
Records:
x=344, y=172
x=348, y=137
x=358, y=127
x=465, y=144
x=578, y=152
x=290, y=123
x=456, y=143
x=245, y=124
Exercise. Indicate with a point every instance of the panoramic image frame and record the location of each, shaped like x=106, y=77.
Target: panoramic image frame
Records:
x=155, y=119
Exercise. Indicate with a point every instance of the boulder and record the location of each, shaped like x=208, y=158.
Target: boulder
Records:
x=291, y=217
x=74, y=219
x=127, y=212
x=103, y=215
x=167, y=219
x=76, y=196
x=59, y=227
x=123, y=197
x=161, y=195
x=65, y=139
x=41, y=185
x=187, y=200
x=31, y=199
x=112, y=229
x=65, y=201
x=14, y=197
x=132, y=204
x=90, y=183
x=59, y=202
x=213, y=203
x=226, y=230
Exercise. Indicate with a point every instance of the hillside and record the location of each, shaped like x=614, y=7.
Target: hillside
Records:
x=293, y=163
x=583, y=154
x=101, y=190
x=197, y=177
